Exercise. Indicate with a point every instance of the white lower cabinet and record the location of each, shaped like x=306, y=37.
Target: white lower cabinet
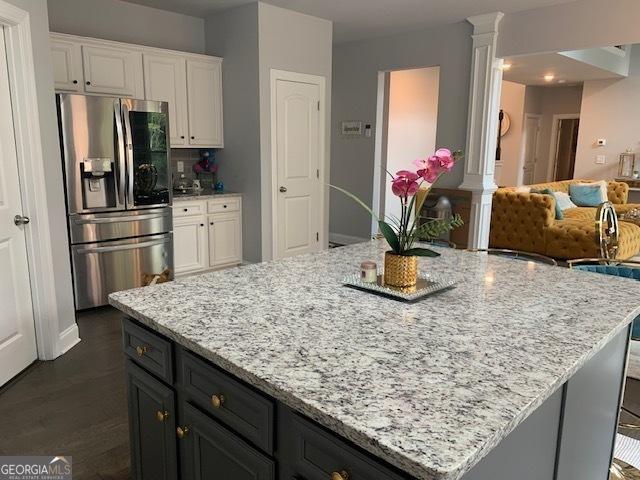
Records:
x=203, y=242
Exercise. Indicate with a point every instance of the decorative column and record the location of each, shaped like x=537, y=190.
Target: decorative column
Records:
x=482, y=126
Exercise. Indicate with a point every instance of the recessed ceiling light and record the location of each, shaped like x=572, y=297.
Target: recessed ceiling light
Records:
x=506, y=66
x=562, y=81
x=549, y=77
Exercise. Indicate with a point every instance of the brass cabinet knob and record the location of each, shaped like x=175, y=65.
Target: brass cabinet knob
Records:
x=182, y=431
x=341, y=475
x=141, y=350
x=162, y=416
x=217, y=400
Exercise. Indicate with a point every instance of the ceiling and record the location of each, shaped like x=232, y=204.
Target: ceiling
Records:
x=531, y=69
x=360, y=19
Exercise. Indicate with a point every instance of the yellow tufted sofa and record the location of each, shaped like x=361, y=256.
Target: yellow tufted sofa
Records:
x=526, y=222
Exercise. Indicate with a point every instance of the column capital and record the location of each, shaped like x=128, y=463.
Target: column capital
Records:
x=486, y=23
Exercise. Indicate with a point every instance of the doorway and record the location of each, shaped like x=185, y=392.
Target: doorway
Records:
x=564, y=145
x=17, y=328
x=530, y=148
x=407, y=120
x=297, y=143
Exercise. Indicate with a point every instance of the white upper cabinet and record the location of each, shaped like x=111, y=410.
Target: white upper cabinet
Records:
x=112, y=71
x=165, y=79
x=67, y=66
x=204, y=91
x=190, y=83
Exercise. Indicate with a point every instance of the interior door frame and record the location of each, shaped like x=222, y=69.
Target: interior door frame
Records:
x=553, y=143
x=323, y=163
x=523, y=146
x=26, y=119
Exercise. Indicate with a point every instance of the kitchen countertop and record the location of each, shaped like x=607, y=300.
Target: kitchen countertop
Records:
x=432, y=386
x=203, y=195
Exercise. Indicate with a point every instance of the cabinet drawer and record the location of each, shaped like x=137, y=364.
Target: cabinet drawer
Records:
x=185, y=209
x=148, y=350
x=228, y=204
x=208, y=451
x=312, y=453
x=239, y=407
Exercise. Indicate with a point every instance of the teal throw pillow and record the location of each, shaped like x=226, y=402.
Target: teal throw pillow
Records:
x=585, y=195
x=548, y=191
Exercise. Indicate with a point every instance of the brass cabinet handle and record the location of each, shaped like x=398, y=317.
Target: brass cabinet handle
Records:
x=217, y=400
x=182, y=431
x=141, y=350
x=162, y=416
x=341, y=475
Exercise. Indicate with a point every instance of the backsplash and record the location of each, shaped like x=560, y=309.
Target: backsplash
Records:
x=190, y=156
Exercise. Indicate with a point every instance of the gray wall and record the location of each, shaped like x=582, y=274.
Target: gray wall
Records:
x=355, y=85
x=234, y=36
x=297, y=43
x=127, y=22
x=52, y=163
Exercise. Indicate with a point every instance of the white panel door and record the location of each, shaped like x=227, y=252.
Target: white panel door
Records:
x=297, y=156
x=190, y=244
x=165, y=79
x=113, y=71
x=17, y=330
x=225, y=241
x=531, y=132
x=204, y=91
x=67, y=66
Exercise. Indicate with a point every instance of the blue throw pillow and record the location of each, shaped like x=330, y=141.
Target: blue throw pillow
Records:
x=548, y=191
x=586, y=195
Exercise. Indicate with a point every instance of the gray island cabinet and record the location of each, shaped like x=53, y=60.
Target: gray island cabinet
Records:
x=276, y=371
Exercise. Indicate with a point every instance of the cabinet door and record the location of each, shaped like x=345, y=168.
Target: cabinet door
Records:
x=152, y=426
x=190, y=244
x=165, y=79
x=204, y=91
x=209, y=451
x=67, y=66
x=225, y=242
x=113, y=71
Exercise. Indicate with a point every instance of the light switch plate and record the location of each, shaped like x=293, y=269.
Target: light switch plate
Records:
x=180, y=167
x=601, y=159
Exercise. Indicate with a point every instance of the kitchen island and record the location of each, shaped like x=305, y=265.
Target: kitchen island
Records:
x=517, y=372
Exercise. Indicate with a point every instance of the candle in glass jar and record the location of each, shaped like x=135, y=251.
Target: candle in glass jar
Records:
x=369, y=272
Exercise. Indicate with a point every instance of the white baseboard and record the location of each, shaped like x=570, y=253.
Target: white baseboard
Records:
x=346, y=239
x=68, y=339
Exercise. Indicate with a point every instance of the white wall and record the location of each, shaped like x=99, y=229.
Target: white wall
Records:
x=512, y=103
x=412, y=123
x=355, y=88
x=611, y=110
x=127, y=22
x=64, y=316
x=297, y=43
x=233, y=35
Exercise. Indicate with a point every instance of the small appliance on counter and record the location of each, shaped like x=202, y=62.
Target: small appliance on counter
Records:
x=115, y=154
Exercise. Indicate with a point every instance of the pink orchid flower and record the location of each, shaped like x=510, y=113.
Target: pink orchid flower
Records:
x=427, y=169
x=445, y=159
x=404, y=184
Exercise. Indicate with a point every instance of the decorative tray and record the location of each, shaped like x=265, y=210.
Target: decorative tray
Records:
x=426, y=285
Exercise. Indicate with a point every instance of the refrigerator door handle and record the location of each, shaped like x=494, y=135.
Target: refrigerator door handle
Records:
x=120, y=152
x=119, y=248
x=133, y=218
x=129, y=151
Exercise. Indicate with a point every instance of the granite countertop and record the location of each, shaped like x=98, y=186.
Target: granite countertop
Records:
x=431, y=386
x=205, y=194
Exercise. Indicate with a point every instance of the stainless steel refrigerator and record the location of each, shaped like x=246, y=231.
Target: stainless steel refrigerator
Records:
x=116, y=161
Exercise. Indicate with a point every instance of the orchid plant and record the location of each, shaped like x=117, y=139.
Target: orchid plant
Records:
x=402, y=233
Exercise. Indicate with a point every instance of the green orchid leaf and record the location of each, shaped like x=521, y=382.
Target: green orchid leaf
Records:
x=356, y=199
x=421, y=252
x=390, y=235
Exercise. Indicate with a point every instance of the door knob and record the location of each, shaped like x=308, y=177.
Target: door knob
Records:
x=283, y=189
x=20, y=220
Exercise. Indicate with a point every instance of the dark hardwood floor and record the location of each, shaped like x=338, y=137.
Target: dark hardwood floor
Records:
x=74, y=405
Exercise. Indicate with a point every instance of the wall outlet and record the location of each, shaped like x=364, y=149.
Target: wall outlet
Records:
x=180, y=167
x=601, y=159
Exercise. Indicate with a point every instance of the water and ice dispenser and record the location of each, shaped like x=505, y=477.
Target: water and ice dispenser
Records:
x=98, y=183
